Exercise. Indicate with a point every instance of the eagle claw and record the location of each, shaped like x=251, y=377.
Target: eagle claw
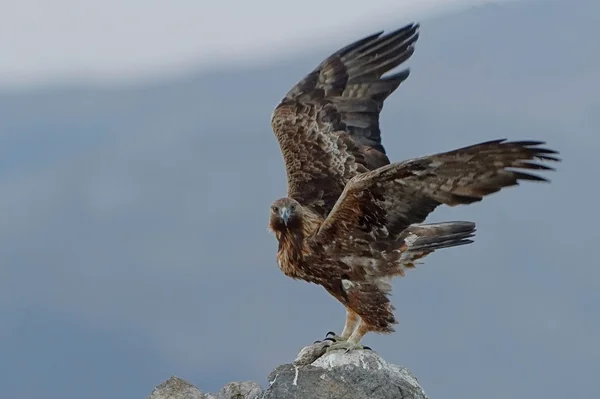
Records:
x=348, y=346
x=334, y=337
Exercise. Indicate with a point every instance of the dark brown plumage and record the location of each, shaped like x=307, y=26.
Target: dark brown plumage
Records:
x=351, y=220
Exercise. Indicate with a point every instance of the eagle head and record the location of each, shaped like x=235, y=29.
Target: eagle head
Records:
x=286, y=213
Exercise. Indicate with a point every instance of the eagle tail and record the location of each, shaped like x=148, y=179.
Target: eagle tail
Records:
x=422, y=239
x=434, y=236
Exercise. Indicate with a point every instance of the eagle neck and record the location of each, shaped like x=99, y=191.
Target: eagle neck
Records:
x=291, y=242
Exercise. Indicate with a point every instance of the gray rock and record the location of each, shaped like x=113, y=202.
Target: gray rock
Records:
x=310, y=353
x=241, y=390
x=355, y=375
x=176, y=388
x=314, y=374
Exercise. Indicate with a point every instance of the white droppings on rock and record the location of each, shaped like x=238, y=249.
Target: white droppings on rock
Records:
x=367, y=360
x=359, y=358
x=295, y=382
x=362, y=362
x=274, y=379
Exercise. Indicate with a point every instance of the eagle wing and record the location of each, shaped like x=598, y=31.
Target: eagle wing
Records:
x=378, y=206
x=327, y=125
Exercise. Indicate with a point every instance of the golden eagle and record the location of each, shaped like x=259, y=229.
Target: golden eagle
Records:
x=352, y=220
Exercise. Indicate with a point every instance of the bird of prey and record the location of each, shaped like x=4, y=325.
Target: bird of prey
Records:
x=352, y=220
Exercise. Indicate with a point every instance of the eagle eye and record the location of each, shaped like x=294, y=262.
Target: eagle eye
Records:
x=293, y=207
x=274, y=209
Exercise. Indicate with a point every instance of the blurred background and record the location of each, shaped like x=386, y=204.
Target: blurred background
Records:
x=137, y=165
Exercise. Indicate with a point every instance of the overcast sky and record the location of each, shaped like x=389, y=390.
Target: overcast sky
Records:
x=112, y=39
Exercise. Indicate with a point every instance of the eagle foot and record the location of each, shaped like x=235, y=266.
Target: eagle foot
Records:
x=348, y=346
x=334, y=337
x=331, y=336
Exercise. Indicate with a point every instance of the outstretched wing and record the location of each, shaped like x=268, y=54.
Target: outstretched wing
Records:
x=376, y=207
x=328, y=124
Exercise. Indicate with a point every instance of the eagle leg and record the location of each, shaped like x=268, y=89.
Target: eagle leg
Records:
x=353, y=342
x=352, y=320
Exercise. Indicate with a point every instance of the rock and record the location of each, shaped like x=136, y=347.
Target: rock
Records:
x=240, y=390
x=176, y=388
x=360, y=374
x=310, y=353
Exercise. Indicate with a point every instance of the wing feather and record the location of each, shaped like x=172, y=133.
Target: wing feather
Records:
x=327, y=125
x=377, y=206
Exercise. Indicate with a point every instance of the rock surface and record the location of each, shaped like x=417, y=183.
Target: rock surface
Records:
x=176, y=388
x=314, y=374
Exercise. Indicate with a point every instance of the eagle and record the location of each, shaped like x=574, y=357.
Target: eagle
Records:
x=352, y=220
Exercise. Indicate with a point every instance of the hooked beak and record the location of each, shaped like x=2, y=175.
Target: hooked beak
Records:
x=284, y=214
